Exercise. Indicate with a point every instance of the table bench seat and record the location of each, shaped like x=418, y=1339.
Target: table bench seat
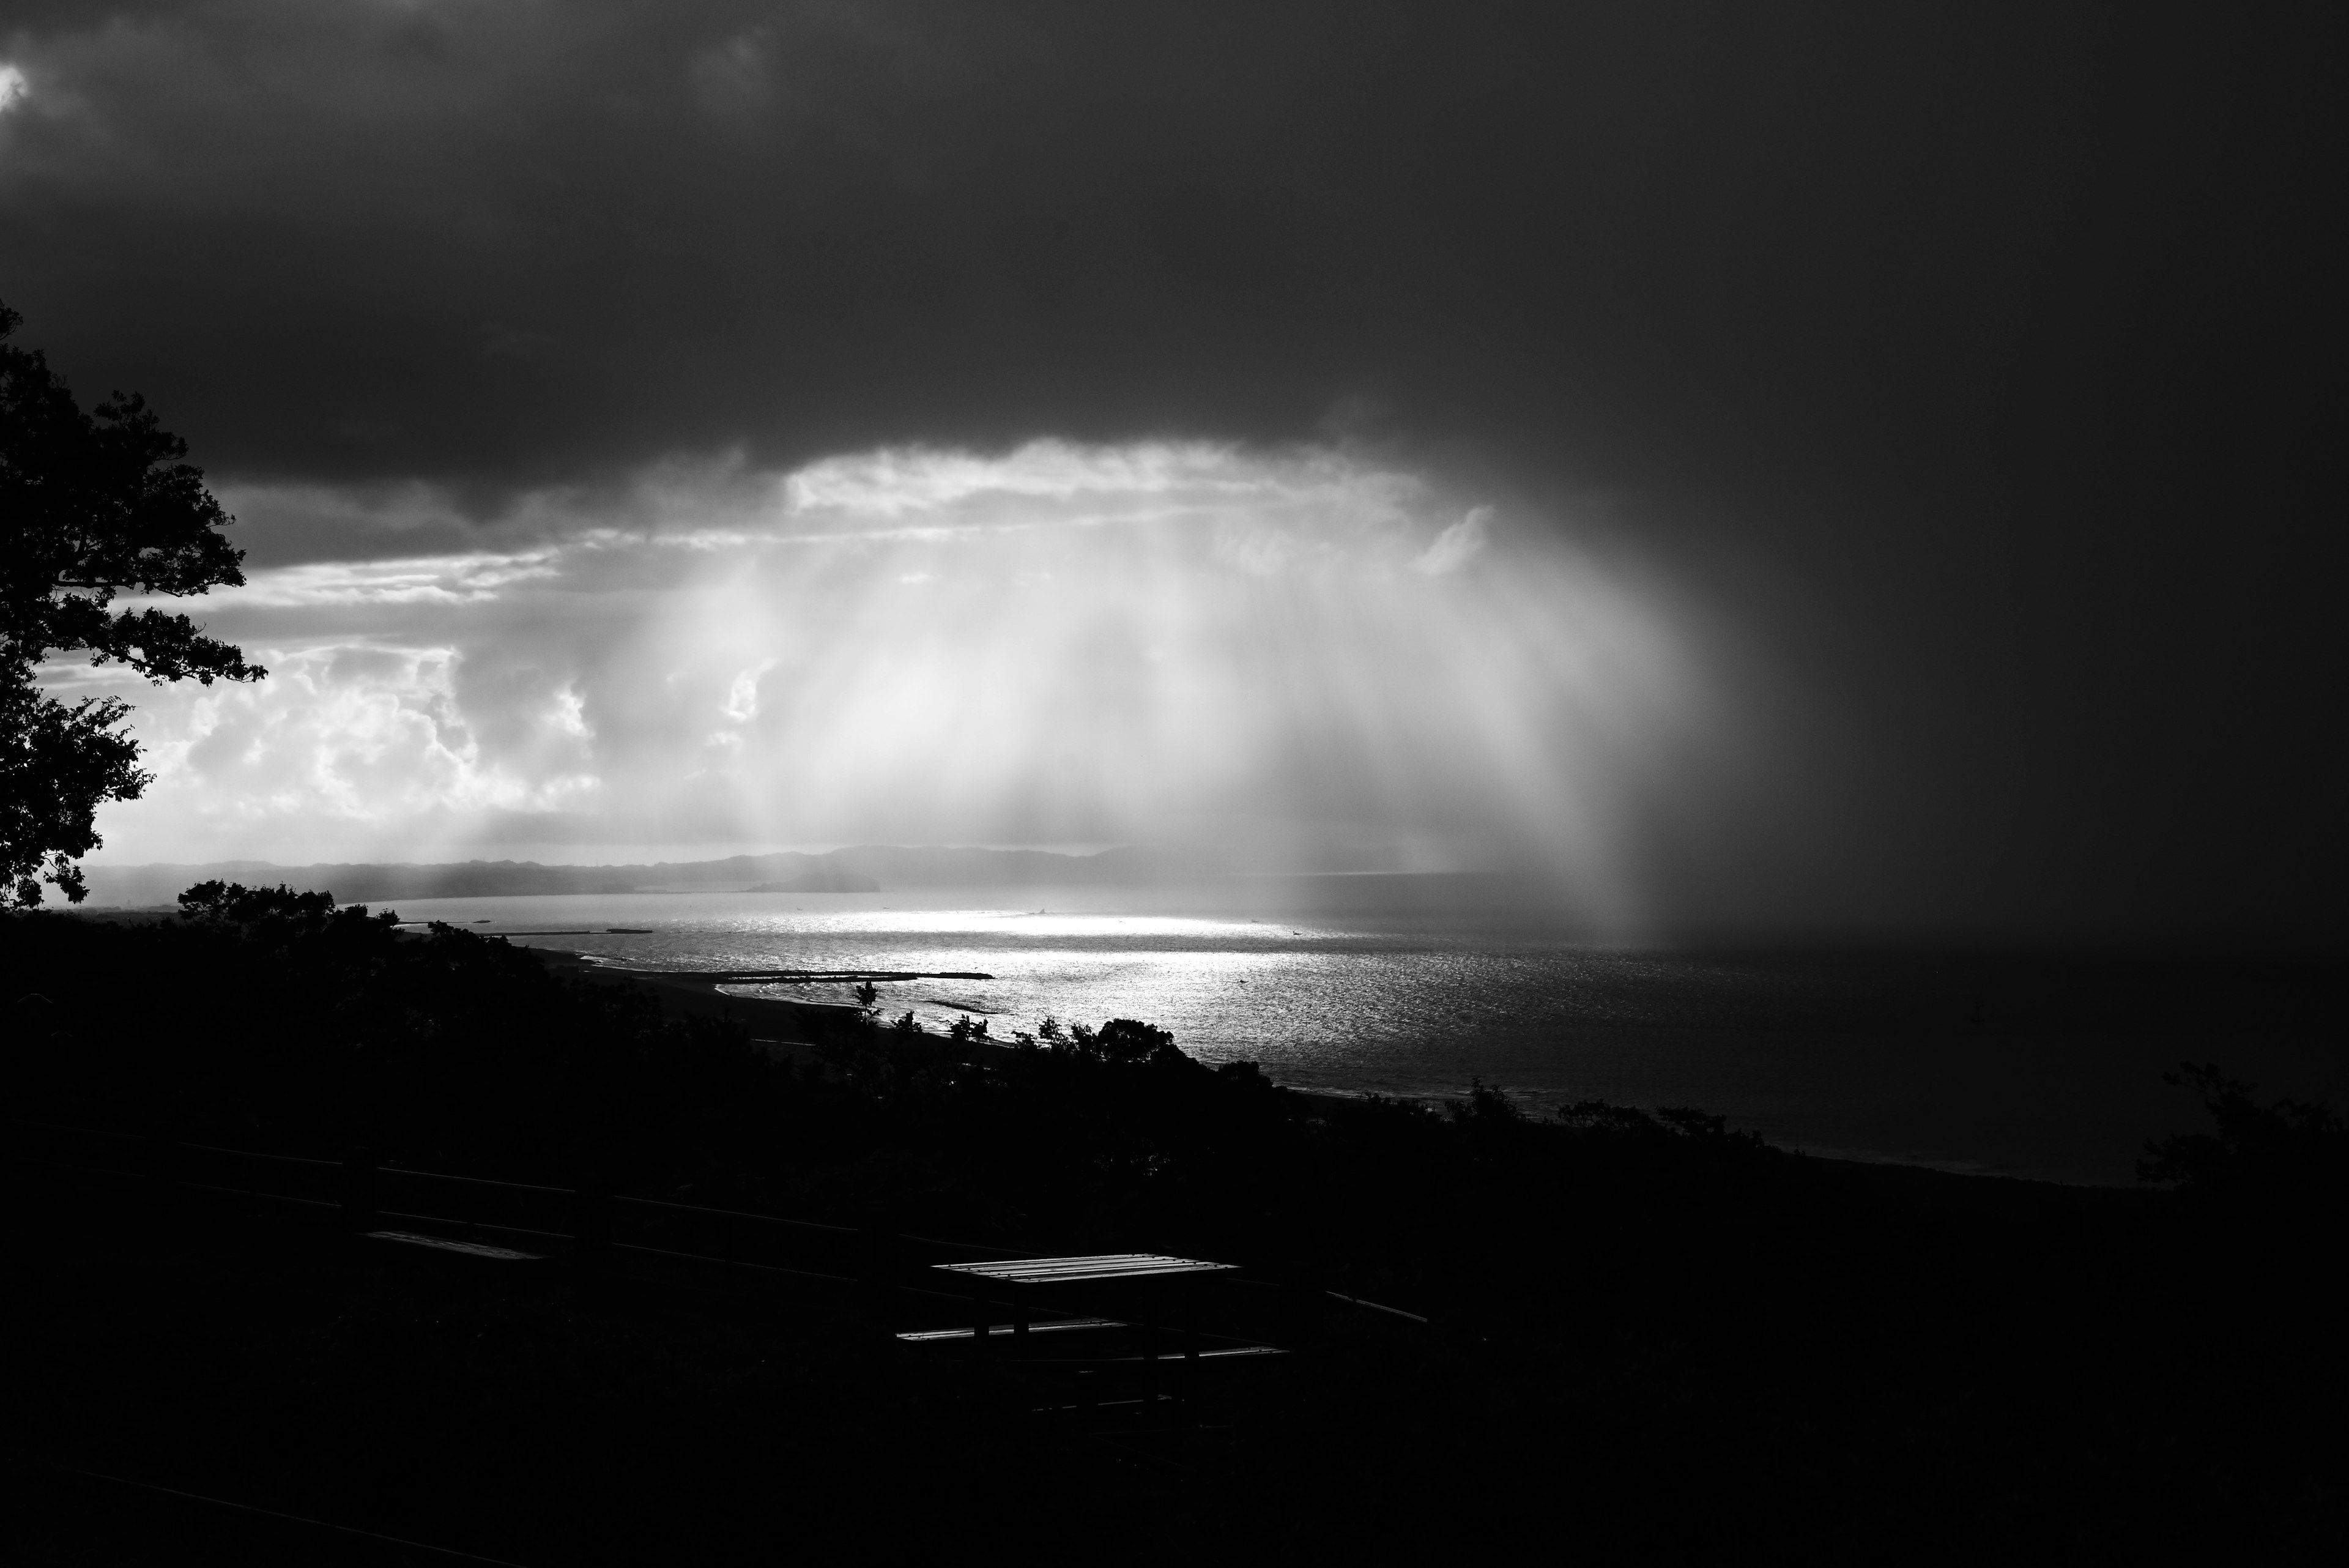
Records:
x=1061, y=1325
x=446, y=1249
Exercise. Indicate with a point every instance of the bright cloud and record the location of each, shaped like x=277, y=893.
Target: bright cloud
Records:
x=344, y=746
x=1456, y=546
x=1057, y=644
x=741, y=703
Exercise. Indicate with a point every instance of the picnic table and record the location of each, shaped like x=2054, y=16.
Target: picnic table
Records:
x=1019, y=1282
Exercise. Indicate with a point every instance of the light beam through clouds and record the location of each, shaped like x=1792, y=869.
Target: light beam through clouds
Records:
x=1304, y=657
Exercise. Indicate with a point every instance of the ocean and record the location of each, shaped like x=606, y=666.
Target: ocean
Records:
x=2036, y=1064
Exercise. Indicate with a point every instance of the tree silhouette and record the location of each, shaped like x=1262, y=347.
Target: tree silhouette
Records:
x=92, y=505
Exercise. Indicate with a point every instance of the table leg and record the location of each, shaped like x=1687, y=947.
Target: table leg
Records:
x=980, y=1314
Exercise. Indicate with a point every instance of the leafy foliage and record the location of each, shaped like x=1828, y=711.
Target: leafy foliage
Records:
x=2260, y=1156
x=56, y=764
x=92, y=505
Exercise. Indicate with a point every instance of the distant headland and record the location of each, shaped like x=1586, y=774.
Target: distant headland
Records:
x=864, y=868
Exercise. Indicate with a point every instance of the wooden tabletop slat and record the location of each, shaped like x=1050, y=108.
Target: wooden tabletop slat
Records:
x=463, y=1249
x=1101, y=1266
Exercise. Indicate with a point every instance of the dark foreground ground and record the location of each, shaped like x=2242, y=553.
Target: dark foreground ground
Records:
x=1648, y=1339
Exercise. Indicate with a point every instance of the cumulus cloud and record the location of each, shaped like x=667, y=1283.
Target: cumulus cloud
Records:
x=344, y=751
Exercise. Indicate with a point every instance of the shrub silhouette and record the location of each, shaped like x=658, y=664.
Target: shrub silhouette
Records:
x=2254, y=1214
x=2277, y=1161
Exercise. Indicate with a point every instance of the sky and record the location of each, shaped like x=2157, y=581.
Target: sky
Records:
x=1829, y=467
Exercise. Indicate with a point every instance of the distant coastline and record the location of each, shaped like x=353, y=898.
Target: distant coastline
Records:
x=865, y=868
x=861, y=868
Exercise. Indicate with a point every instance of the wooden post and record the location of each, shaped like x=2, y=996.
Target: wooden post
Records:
x=591, y=1222
x=1190, y=1350
x=1149, y=1343
x=162, y=1165
x=1301, y=1304
x=881, y=1280
x=1018, y=1323
x=979, y=1313
x=358, y=1190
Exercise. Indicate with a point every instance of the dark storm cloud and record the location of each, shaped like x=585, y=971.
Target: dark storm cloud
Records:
x=499, y=241
x=1968, y=357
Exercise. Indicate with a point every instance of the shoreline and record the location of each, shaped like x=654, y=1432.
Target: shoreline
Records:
x=789, y=1024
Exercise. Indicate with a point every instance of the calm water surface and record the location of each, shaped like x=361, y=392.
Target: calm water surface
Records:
x=2027, y=1066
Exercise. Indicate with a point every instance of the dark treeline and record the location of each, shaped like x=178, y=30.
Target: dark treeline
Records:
x=1648, y=1336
